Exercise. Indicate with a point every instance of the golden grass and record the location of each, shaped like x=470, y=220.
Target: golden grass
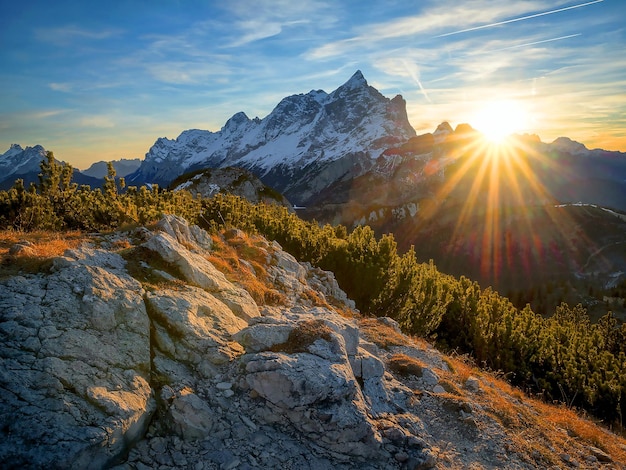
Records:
x=38, y=257
x=380, y=334
x=226, y=257
x=539, y=431
x=303, y=336
x=405, y=365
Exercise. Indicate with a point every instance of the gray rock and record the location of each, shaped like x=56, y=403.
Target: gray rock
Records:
x=193, y=327
x=21, y=248
x=600, y=454
x=190, y=417
x=263, y=336
x=179, y=229
x=429, y=376
x=199, y=271
x=472, y=384
x=75, y=368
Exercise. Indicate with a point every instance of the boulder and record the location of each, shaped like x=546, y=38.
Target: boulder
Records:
x=321, y=398
x=193, y=327
x=179, y=229
x=199, y=271
x=74, y=374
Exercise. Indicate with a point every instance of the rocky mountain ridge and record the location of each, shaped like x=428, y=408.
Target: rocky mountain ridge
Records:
x=307, y=142
x=133, y=351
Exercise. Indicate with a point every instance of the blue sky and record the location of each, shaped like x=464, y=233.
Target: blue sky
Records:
x=95, y=80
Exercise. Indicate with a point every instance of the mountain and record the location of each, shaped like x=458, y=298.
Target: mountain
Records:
x=235, y=181
x=306, y=143
x=122, y=168
x=173, y=348
x=531, y=221
x=23, y=163
x=20, y=161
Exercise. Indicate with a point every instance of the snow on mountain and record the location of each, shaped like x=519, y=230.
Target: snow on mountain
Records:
x=19, y=161
x=305, y=144
x=567, y=145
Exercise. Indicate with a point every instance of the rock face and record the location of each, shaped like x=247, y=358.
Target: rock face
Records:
x=75, y=372
x=177, y=366
x=230, y=180
x=306, y=143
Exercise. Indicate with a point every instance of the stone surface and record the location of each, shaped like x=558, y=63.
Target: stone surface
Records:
x=75, y=366
x=100, y=371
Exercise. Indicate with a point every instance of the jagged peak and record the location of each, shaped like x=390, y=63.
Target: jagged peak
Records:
x=444, y=128
x=237, y=119
x=356, y=81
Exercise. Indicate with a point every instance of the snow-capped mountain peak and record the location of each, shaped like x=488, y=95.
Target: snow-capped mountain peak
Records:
x=18, y=161
x=331, y=135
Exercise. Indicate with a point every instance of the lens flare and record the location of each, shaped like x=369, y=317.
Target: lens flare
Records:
x=500, y=194
x=497, y=120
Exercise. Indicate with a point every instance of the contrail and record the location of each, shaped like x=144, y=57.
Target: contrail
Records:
x=491, y=25
x=533, y=43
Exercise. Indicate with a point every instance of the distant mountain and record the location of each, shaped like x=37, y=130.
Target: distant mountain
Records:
x=122, y=168
x=23, y=163
x=20, y=161
x=525, y=221
x=235, y=181
x=308, y=142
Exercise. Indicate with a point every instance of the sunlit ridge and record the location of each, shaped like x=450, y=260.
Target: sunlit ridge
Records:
x=503, y=184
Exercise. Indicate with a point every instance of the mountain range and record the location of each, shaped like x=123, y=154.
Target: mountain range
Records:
x=306, y=143
x=352, y=157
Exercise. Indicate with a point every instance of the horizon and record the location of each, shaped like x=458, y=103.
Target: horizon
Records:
x=104, y=81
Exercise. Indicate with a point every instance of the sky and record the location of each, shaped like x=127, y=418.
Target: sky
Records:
x=102, y=80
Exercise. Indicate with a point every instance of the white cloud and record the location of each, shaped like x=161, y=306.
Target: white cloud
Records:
x=441, y=19
x=63, y=87
x=64, y=35
x=97, y=121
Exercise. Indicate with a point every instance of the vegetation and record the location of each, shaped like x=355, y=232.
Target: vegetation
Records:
x=563, y=357
x=55, y=203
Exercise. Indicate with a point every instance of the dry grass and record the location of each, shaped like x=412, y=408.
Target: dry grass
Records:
x=380, y=334
x=38, y=257
x=540, y=432
x=252, y=276
x=405, y=365
x=303, y=336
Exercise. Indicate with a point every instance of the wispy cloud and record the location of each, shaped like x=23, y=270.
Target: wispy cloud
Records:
x=97, y=121
x=521, y=18
x=63, y=87
x=428, y=22
x=69, y=34
x=532, y=43
x=256, y=20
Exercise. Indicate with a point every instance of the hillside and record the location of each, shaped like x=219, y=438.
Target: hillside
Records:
x=527, y=218
x=171, y=347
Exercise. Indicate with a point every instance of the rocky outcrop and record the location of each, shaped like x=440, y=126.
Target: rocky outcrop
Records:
x=237, y=181
x=178, y=367
x=75, y=371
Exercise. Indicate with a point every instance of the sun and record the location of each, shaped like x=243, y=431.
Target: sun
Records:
x=497, y=120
